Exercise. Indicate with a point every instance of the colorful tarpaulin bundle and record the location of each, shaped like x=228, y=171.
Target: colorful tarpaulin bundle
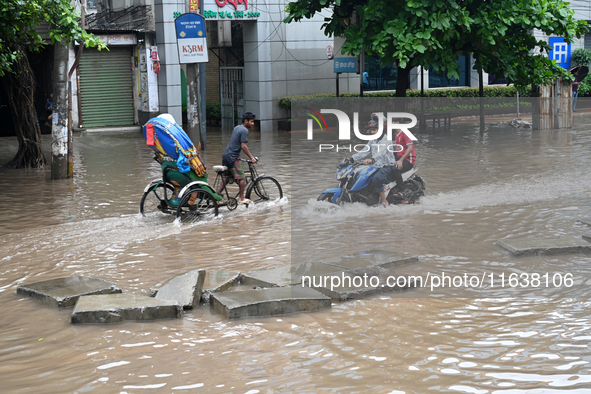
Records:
x=168, y=139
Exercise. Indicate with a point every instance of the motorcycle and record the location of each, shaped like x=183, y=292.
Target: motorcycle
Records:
x=355, y=186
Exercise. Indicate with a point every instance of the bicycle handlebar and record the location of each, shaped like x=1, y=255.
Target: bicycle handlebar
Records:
x=249, y=161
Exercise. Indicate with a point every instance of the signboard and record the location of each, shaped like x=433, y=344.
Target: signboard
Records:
x=345, y=64
x=152, y=86
x=329, y=52
x=560, y=51
x=190, y=37
x=118, y=39
x=230, y=10
x=193, y=6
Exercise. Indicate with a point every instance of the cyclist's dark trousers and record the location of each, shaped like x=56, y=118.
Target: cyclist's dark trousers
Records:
x=396, y=174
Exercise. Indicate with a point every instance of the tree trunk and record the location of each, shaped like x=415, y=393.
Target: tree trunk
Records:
x=20, y=88
x=402, y=81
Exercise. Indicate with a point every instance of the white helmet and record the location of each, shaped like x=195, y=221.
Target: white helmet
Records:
x=168, y=117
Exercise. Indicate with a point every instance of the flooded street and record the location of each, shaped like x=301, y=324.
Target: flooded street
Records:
x=481, y=187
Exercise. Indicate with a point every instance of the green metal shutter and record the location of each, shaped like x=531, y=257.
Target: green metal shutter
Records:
x=106, y=87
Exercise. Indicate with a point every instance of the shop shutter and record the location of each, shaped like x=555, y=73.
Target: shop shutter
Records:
x=106, y=87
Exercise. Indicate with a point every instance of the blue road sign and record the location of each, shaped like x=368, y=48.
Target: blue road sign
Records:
x=560, y=51
x=345, y=65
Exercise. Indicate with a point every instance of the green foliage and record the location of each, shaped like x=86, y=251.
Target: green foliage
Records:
x=581, y=57
x=213, y=110
x=434, y=32
x=585, y=86
x=489, y=91
x=18, y=20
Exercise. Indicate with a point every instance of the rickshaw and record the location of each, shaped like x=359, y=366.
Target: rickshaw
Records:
x=183, y=189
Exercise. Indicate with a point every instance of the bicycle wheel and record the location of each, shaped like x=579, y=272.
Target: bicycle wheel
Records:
x=153, y=200
x=264, y=189
x=197, y=203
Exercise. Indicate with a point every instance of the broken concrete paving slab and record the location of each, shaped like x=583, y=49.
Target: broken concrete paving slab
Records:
x=64, y=292
x=363, y=282
x=220, y=280
x=269, y=302
x=116, y=308
x=545, y=246
x=286, y=275
x=185, y=289
x=217, y=281
x=371, y=258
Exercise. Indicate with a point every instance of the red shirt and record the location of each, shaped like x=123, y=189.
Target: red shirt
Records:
x=404, y=140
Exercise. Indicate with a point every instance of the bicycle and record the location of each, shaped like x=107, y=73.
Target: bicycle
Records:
x=265, y=188
x=179, y=194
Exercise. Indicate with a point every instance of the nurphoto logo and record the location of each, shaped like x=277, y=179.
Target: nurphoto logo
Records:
x=345, y=124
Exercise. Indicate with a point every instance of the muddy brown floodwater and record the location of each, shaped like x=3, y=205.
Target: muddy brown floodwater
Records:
x=482, y=187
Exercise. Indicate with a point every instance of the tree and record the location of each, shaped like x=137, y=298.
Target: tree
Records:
x=581, y=57
x=427, y=33
x=18, y=35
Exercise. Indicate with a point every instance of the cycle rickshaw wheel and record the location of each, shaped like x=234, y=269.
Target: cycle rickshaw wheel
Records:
x=264, y=189
x=196, y=203
x=153, y=200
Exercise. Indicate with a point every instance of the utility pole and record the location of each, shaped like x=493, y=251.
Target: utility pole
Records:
x=481, y=94
x=59, y=126
x=193, y=107
x=193, y=103
x=62, y=156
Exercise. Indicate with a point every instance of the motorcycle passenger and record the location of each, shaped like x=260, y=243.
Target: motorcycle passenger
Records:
x=405, y=155
x=382, y=157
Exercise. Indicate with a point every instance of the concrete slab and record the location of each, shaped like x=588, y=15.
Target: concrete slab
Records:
x=64, y=292
x=364, y=282
x=116, y=308
x=286, y=275
x=545, y=246
x=185, y=288
x=217, y=281
x=269, y=302
x=371, y=258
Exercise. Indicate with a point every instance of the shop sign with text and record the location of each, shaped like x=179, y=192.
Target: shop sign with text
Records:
x=191, y=41
x=118, y=39
x=230, y=10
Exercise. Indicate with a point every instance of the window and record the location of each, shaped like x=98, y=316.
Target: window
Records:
x=440, y=79
x=379, y=77
x=588, y=41
x=496, y=80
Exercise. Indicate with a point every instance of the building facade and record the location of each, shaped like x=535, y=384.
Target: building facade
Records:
x=254, y=59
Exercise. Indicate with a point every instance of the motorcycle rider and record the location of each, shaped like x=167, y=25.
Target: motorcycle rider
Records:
x=383, y=158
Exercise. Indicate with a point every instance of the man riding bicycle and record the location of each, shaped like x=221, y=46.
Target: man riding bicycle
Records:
x=231, y=157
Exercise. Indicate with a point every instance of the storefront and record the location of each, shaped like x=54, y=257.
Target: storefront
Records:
x=107, y=83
